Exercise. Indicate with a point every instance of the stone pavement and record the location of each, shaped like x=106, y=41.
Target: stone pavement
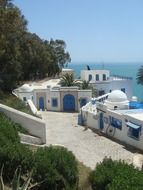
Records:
x=87, y=146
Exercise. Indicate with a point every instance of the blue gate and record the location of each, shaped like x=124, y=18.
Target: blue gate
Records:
x=41, y=103
x=101, y=121
x=68, y=103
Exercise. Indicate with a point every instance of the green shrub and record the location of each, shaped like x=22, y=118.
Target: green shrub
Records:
x=14, y=102
x=8, y=132
x=57, y=166
x=13, y=156
x=115, y=175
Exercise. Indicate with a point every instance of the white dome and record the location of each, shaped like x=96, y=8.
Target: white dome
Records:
x=26, y=88
x=117, y=96
x=134, y=99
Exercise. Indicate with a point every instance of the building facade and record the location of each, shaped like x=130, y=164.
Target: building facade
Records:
x=114, y=118
x=104, y=83
x=55, y=98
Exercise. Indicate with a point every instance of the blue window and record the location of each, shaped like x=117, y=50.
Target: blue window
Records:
x=101, y=92
x=104, y=77
x=54, y=102
x=90, y=77
x=134, y=130
x=24, y=99
x=97, y=77
x=123, y=90
x=83, y=101
x=116, y=123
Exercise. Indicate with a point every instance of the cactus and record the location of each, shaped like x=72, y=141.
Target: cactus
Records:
x=16, y=181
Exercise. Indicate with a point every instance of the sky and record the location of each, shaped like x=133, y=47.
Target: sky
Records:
x=94, y=30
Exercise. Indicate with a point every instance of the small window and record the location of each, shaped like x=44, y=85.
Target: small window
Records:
x=90, y=77
x=24, y=99
x=123, y=90
x=97, y=77
x=54, y=102
x=101, y=92
x=104, y=77
x=116, y=123
x=134, y=130
x=83, y=102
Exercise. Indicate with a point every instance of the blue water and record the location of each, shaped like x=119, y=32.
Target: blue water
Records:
x=122, y=69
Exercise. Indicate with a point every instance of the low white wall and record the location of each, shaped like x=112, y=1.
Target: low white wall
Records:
x=35, y=126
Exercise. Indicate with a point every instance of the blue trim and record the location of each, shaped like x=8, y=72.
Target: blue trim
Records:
x=116, y=123
x=54, y=102
x=69, y=102
x=89, y=77
x=83, y=102
x=101, y=121
x=41, y=103
x=132, y=125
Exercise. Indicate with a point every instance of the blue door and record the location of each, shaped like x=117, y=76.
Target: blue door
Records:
x=41, y=103
x=82, y=102
x=101, y=121
x=69, y=103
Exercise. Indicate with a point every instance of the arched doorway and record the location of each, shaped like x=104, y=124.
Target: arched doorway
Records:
x=68, y=103
x=41, y=103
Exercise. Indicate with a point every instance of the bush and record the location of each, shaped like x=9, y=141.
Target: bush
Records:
x=13, y=156
x=115, y=175
x=8, y=132
x=58, y=167
x=14, y=102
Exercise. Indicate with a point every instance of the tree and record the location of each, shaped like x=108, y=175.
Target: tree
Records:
x=12, y=27
x=67, y=80
x=139, y=77
x=24, y=55
x=85, y=85
x=62, y=57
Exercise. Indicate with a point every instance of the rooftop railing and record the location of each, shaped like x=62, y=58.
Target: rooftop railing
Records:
x=122, y=77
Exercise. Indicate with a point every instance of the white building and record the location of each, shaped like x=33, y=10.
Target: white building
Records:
x=111, y=115
x=67, y=71
x=104, y=83
x=51, y=96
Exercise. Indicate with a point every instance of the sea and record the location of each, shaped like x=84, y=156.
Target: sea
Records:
x=121, y=69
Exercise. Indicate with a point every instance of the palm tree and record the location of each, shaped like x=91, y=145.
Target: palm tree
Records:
x=139, y=77
x=67, y=80
x=85, y=85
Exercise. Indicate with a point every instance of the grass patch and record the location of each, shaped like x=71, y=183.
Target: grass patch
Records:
x=12, y=101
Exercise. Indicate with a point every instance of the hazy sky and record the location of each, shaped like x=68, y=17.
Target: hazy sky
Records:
x=94, y=30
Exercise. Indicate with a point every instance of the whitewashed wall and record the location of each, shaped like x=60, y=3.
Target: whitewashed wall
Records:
x=28, y=95
x=50, y=95
x=85, y=74
x=127, y=84
x=92, y=120
x=35, y=126
x=84, y=94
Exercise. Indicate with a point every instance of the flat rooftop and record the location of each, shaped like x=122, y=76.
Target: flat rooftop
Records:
x=135, y=113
